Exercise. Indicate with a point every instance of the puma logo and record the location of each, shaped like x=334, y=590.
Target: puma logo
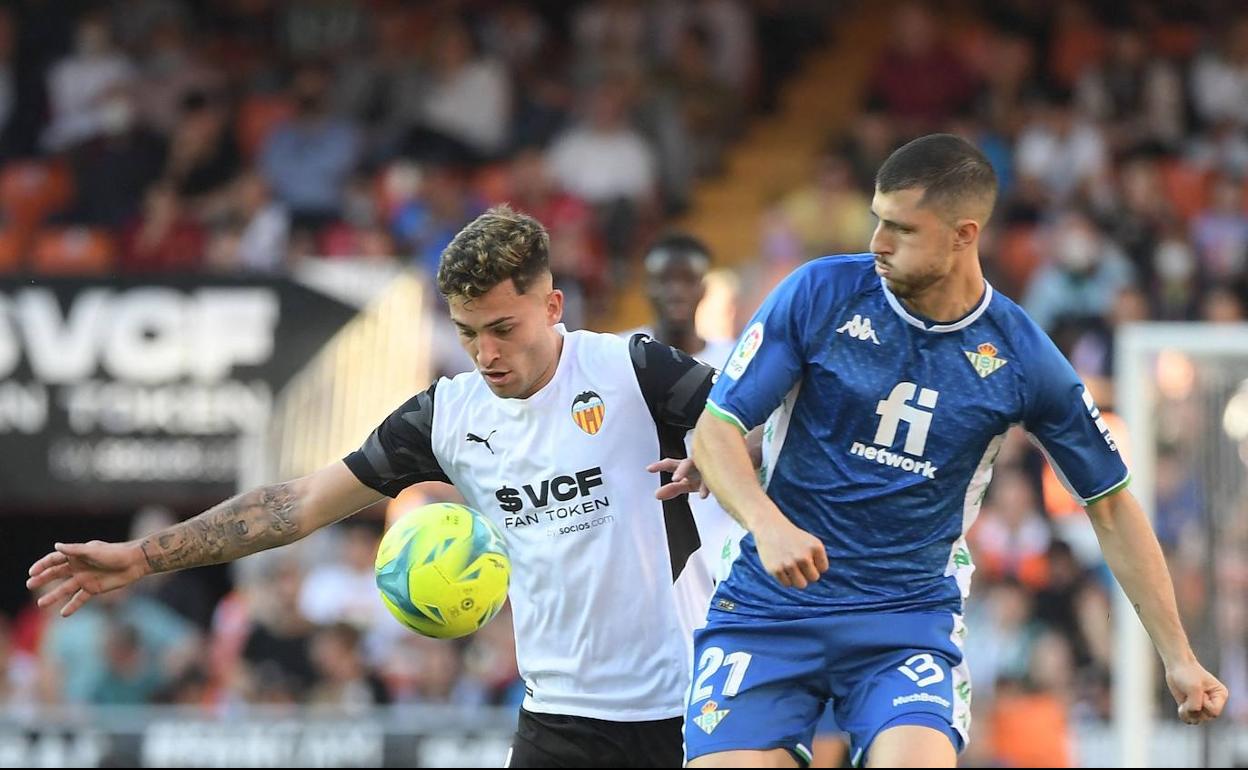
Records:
x=479, y=440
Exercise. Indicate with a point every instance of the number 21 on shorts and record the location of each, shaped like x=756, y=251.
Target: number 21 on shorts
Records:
x=713, y=658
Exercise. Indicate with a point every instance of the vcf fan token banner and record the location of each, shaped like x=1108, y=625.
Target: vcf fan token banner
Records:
x=128, y=391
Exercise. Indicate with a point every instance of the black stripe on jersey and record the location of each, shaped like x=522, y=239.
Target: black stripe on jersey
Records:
x=682, y=530
x=675, y=387
x=399, y=453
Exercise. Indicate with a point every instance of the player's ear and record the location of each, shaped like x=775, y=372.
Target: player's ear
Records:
x=965, y=233
x=554, y=306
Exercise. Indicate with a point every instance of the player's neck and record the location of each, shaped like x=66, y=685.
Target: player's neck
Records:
x=953, y=296
x=680, y=337
x=549, y=374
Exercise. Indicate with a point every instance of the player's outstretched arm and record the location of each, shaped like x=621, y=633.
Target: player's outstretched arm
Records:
x=792, y=556
x=263, y=518
x=1134, y=555
x=687, y=479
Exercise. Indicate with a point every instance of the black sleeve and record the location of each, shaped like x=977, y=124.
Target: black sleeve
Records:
x=399, y=453
x=674, y=385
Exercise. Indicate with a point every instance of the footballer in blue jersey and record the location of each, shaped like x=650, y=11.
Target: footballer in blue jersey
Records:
x=885, y=383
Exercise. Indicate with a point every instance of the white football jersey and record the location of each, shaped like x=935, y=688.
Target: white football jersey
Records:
x=719, y=532
x=603, y=604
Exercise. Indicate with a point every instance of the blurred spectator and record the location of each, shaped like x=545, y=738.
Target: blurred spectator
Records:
x=203, y=154
x=693, y=116
x=83, y=87
x=1220, y=234
x=729, y=42
x=1060, y=149
x=346, y=684
x=468, y=98
x=345, y=591
x=276, y=656
x=1223, y=305
x=19, y=672
x=131, y=676
x=576, y=256
x=115, y=167
x=606, y=162
x=169, y=73
x=424, y=225
x=1003, y=631
x=264, y=227
x=1140, y=97
x=829, y=215
x=308, y=159
x=1028, y=725
x=1085, y=277
x=1219, y=77
x=84, y=654
x=164, y=238
x=1011, y=536
x=418, y=669
x=917, y=55
x=381, y=87
x=490, y=660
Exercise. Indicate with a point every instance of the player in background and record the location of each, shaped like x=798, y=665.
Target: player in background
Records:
x=887, y=381
x=676, y=267
x=550, y=438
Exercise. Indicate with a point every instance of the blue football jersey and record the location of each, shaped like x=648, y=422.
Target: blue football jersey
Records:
x=881, y=429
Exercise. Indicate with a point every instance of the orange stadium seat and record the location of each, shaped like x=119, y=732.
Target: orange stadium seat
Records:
x=30, y=190
x=73, y=251
x=1186, y=187
x=12, y=251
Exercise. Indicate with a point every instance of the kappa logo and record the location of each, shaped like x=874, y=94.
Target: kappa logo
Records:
x=588, y=412
x=859, y=328
x=710, y=717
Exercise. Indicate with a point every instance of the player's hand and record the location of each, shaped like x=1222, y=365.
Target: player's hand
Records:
x=686, y=480
x=1199, y=694
x=793, y=556
x=86, y=569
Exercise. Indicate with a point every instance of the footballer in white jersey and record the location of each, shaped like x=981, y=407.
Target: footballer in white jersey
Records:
x=551, y=438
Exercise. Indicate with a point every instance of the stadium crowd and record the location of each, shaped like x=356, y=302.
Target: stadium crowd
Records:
x=158, y=135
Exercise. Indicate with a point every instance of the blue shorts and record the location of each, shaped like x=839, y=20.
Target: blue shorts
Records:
x=827, y=727
x=762, y=684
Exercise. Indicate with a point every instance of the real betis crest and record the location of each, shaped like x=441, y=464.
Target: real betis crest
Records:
x=710, y=717
x=984, y=359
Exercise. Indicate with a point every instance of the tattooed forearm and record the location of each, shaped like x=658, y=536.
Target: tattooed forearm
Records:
x=253, y=521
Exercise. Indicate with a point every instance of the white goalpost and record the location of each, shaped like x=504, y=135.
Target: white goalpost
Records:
x=1182, y=390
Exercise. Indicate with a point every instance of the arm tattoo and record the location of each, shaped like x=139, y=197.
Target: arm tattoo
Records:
x=253, y=521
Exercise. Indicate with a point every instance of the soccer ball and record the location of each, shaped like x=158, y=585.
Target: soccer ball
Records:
x=443, y=570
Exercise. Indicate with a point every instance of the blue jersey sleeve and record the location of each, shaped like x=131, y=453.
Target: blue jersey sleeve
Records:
x=768, y=359
x=1064, y=420
x=771, y=354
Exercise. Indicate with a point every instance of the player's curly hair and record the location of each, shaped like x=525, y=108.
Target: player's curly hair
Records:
x=500, y=244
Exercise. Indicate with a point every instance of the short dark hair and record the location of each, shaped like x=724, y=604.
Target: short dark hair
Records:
x=677, y=243
x=949, y=169
x=500, y=244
